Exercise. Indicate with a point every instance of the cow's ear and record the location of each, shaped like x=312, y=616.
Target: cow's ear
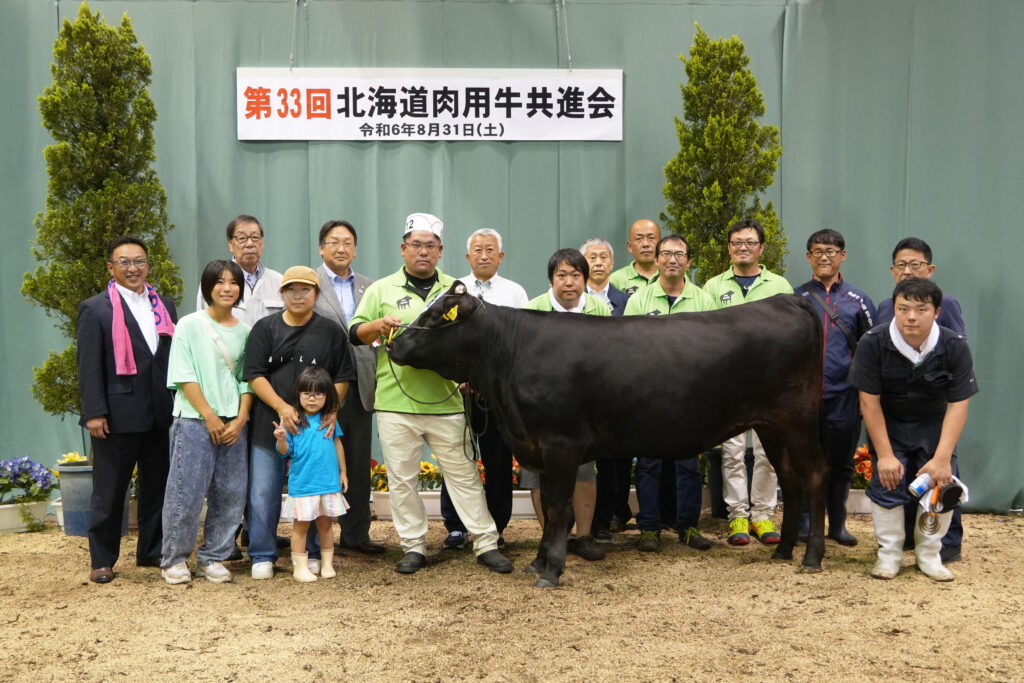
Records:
x=457, y=288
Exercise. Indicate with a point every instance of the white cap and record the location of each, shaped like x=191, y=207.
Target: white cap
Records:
x=423, y=221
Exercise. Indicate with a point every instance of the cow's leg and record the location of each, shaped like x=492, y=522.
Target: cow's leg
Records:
x=556, y=488
x=789, y=482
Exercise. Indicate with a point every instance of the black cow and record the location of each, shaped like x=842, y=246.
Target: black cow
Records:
x=566, y=389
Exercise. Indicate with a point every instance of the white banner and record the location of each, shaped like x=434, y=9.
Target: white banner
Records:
x=429, y=104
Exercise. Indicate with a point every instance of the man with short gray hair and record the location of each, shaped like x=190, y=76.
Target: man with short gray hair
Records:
x=601, y=259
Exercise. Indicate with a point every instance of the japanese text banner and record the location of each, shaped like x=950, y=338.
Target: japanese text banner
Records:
x=429, y=104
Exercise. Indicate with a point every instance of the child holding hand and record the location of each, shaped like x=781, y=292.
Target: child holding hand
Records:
x=317, y=476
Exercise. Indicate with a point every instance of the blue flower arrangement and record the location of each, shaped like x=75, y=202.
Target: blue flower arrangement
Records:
x=24, y=481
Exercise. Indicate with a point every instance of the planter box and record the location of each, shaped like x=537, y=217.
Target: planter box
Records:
x=10, y=516
x=858, y=502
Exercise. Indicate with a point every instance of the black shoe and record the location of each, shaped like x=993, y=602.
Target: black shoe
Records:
x=243, y=538
x=147, y=562
x=585, y=548
x=366, y=547
x=283, y=542
x=495, y=561
x=501, y=541
x=411, y=563
x=601, y=535
x=456, y=540
x=843, y=537
x=693, y=538
x=949, y=554
x=236, y=554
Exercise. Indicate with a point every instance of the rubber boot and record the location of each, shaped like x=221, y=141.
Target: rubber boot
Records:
x=838, y=492
x=327, y=564
x=927, y=547
x=300, y=570
x=889, y=532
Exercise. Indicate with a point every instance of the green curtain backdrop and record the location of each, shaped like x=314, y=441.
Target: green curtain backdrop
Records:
x=895, y=118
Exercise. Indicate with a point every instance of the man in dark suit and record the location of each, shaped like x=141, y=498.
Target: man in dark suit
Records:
x=341, y=291
x=124, y=338
x=613, y=474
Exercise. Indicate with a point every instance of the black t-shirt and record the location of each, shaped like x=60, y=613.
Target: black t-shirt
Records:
x=278, y=352
x=912, y=393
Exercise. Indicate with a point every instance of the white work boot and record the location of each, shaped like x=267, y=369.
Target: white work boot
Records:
x=889, y=532
x=300, y=568
x=928, y=546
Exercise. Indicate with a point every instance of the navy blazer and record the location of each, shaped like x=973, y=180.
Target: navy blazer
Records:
x=131, y=403
x=618, y=300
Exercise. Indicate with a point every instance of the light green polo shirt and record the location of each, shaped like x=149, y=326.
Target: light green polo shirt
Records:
x=726, y=291
x=195, y=357
x=628, y=281
x=652, y=300
x=592, y=305
x=390, y=296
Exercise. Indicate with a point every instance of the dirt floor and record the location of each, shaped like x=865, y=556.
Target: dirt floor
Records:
x=679, y=614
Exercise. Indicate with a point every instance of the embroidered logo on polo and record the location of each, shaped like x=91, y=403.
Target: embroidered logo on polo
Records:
x=629, y=291
x=403, y=303
x=726, y=298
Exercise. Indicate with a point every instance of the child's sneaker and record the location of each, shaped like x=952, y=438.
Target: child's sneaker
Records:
x=738, y=531
x=177, y=573
x=765, y=532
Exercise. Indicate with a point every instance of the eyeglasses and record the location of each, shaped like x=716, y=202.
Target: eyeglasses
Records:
x=749, y=244
x=914, y=265
x=126, y=263
x=818, y=253
x=242, y=239
x=331, y=244
x=311, y=395
x=422, y=246
x=677, y=255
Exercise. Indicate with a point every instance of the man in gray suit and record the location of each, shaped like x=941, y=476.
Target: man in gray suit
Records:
x=341, y=289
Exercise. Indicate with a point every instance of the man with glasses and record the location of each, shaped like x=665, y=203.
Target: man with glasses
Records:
x=416, y=406
x=643, y=237
x=846, y=314
x=912, y=257
x=124, y=342
x=747, y=280
x=338, y=302
x=670, y=293
x=245, y=240
x=279, y=347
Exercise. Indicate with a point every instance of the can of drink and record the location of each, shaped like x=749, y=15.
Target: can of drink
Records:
x=920, y=485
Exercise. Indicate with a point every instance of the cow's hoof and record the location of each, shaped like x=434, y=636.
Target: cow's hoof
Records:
x=804, y=569
x=544, y=583
x=782, y=554
x=533, y=567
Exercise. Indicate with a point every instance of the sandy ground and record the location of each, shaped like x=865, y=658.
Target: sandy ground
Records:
x=726, y=614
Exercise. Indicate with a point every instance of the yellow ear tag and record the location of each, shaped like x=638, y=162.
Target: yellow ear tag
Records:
x=390, y=335
x=452, y=313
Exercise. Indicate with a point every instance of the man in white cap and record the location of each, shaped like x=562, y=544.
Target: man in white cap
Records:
x=415, y=405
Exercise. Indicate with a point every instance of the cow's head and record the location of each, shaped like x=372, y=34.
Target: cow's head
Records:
x=440, y=337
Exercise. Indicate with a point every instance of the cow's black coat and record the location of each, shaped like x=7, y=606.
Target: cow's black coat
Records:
x=570, y=388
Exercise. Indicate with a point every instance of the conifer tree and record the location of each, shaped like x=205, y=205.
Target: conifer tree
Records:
x=725, y=157
x=101, y=184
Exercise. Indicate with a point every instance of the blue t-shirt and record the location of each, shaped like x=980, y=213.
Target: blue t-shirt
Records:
x=314, y=470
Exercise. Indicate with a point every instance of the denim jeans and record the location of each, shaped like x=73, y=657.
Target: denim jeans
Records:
x=202, y=469
x=688, y=492
x=266, y=479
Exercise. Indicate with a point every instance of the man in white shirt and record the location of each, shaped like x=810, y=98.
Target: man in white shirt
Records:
x=484, y=253
x=263, y=285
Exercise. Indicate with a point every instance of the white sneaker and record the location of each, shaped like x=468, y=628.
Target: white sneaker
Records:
x=262, y=570
x=177, y=573
x=314, y=565
x=215, y=572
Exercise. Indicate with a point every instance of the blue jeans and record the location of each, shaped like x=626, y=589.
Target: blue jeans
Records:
x=688, y=493
x=266, y=479
x=202, y=469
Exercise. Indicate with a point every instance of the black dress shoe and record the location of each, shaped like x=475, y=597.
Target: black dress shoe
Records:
x=101, y=575
x=283, y=542
x=366, y=547
x=495, y=561
x=147, y=562
x=411, y=563
x=949, y=554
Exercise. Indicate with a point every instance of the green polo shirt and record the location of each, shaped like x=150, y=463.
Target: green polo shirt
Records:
x=391, y=296
x=652, y=300
x=591, y=306
x=726, y=291
x=628, y=281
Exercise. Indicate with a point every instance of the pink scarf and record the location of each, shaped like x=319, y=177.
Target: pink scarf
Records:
x=124, y=357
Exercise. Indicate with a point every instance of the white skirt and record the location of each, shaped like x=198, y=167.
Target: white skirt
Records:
x=308, y=508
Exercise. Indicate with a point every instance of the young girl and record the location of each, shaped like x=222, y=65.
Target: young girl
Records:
x=317, y=476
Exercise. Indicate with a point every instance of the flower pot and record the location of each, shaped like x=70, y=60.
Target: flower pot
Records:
x=76, y=500
x=858, y=502
x=10, y=515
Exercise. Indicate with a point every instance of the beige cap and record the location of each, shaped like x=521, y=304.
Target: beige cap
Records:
x=423, y=221
x=303, y=274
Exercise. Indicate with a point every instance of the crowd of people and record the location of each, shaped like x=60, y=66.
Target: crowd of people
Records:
x=276, y=377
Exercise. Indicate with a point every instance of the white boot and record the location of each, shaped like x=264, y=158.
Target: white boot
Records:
x=889, y=532
x=300, y=568
x=928, y=546
x=327, y=563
